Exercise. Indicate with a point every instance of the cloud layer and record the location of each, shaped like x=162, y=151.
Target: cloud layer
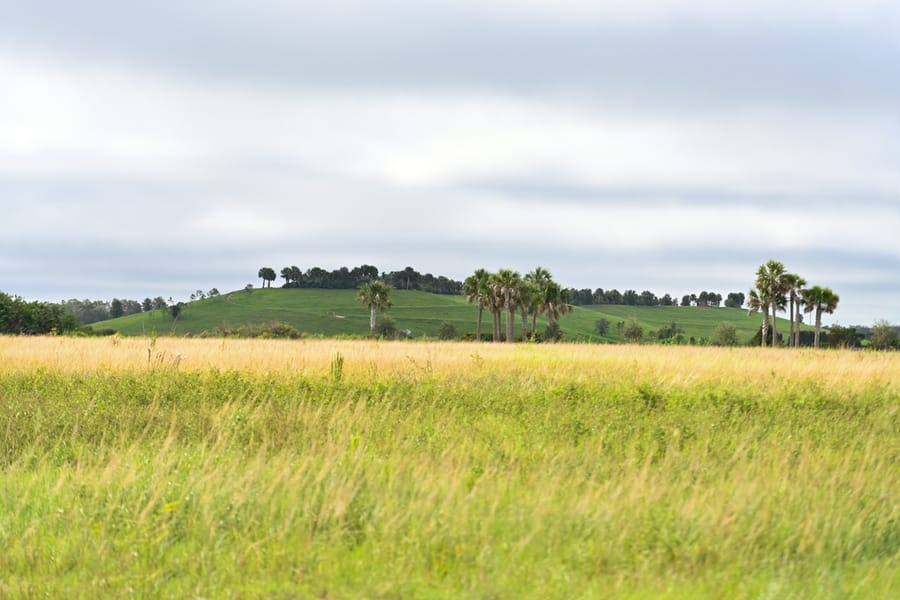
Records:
x=668, y=145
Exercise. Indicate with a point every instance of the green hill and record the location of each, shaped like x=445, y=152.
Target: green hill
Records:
x=337, y=313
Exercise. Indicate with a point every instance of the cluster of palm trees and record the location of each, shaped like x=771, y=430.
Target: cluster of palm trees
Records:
x=506, y=290
x=778, y=290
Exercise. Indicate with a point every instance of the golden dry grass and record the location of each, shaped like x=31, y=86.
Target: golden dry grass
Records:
x=680, y=366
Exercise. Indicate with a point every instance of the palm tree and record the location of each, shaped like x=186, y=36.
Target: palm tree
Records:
x=477, y=289
x=376, y=295
x=527, y=292
x=770, y=283
x=267, y=274
x=495, y=304
x=296, y=275
x=756, y=304
x=794, y=284
x=539, y=279
x=821, y=300
x=508, y=284
x=555, y=301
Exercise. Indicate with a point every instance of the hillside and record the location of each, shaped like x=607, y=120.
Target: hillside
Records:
x=337, y=313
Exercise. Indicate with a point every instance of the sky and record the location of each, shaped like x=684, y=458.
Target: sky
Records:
x=154, y=149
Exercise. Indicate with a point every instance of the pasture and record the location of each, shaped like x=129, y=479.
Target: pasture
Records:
x=337, y=313
x=167, y=467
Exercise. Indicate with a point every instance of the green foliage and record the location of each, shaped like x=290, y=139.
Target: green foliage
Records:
x=20, y=317
x=271, y=330
x=601, y=326
x=553, y=332
x=670, y=333
x=633, y=332
x=756, y=340
x=386, y=328
x=844, y=337
x=115, y=309
x=725, y=335
x=735, y=300
x=884, y=336
x=176, y=309
x=87, y=311
x=447, y=331
x=267, y=274
x=337, y=367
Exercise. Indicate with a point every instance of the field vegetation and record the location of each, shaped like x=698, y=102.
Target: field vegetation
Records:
x=173, y=467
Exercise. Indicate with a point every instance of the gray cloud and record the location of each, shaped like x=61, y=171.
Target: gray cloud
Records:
x=422, y=45
x=671, y=146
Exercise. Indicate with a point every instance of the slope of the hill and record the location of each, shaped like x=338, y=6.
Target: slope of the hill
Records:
x=338, y=313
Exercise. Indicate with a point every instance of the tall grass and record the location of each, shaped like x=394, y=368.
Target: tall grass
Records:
x=320, y=469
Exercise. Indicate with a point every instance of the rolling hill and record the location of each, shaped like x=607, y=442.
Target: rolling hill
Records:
x=331, y=313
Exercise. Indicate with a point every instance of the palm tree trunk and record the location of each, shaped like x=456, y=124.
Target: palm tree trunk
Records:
x=510, y=325
x=774, y=321
x=495, y=315
x=818, y=325
x=371, y=318
x=765, y=326
x=478, y=323
x=791, y=317
x=524, y=322
x=534, y=313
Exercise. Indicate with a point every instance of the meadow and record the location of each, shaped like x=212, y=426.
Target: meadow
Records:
x=211, y=468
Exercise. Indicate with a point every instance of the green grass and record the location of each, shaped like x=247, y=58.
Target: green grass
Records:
x=505, y=481
x=337, y=313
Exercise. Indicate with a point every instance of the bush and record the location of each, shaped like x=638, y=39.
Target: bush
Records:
x=280, y=331
x=447, y=331
x=884, y=336
x=386, y=327
x=725, y=335
x=601, y=327
x=844, y=337
x=273, y=330
x=553, y=333
x=633, y=332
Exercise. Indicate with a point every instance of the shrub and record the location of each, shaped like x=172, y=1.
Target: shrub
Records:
x=553, y=333
x=601, y=327
x=280, y=331
x=725, y=335
x=386, y=327
x=884, y=336
x=273, y=330
x=633, y=332
x=447, y=331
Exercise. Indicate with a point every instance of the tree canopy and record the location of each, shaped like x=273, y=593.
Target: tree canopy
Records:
x=376, y=295
x=18, y=316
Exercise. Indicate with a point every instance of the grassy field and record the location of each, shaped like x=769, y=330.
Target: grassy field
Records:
x=337, y=312
x=183, y=468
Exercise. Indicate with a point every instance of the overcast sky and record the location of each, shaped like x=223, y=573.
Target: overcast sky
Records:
x=673, y=145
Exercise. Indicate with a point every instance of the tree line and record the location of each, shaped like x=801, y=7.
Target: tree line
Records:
x=91, y=311
x=347, y=279
x=705, y=299
x=411, y=279
x=20, y=317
